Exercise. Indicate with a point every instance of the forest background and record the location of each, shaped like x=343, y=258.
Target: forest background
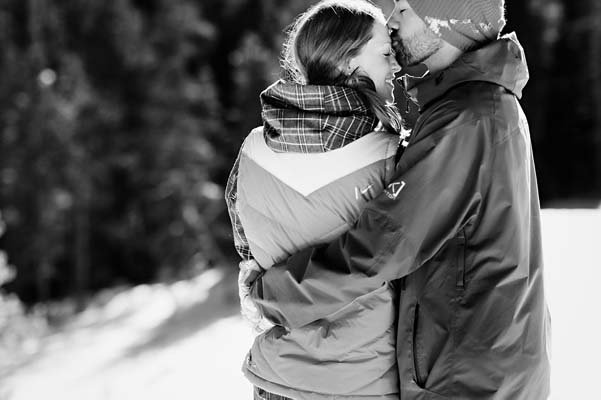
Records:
x=120, y=120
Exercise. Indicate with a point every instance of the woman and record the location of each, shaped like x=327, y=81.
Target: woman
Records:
x=304, y=178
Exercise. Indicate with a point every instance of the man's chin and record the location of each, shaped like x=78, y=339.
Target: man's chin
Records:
x=414, y=60
x=406, y=60
x=409, y=64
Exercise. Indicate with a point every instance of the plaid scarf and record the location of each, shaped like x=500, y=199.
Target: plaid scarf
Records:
x=313, y=118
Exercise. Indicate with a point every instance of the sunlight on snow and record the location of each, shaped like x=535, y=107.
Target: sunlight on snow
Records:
x=185, y=340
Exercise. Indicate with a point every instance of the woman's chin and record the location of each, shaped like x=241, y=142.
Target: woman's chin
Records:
x=389, y=99
x=387, y=93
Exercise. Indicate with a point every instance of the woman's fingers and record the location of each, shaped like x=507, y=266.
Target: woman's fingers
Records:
x=251, y=277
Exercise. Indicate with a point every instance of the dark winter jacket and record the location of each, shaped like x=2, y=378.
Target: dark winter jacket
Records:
x=460, y=228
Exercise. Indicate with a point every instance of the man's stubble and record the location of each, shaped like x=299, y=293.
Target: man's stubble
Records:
x=416, y=48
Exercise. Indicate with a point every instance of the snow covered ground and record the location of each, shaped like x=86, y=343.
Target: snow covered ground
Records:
x=186, y=341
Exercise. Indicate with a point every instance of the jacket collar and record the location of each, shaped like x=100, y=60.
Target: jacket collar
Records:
x=502, y=62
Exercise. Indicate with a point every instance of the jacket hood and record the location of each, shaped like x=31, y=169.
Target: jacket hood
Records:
x=502, y=62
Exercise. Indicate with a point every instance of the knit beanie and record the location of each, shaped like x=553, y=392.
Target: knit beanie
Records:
x=466, y=24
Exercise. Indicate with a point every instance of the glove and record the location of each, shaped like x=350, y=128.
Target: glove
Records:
x=250, y=270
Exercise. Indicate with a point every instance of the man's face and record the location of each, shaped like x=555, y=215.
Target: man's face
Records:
x=412, y=40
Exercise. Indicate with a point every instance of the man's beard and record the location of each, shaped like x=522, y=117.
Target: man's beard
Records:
x=416, y=48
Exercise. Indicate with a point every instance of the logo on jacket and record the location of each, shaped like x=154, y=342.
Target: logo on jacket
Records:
x=359, y=192
x=394, y=189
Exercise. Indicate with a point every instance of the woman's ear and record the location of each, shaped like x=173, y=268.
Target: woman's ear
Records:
x=345, y=68
x=351, y=65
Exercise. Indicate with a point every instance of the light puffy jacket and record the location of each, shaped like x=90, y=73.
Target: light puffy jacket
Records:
x=290, y=201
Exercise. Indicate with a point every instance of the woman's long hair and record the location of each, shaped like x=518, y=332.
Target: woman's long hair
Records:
x=328, y=34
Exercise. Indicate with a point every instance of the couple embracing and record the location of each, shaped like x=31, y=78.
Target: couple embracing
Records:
x=378, y=264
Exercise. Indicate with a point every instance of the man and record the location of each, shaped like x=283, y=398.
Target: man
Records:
x=459, y=226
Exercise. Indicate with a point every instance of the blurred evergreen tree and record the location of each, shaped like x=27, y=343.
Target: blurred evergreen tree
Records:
x=105, y=151
x=572, y=144
x=537, y=25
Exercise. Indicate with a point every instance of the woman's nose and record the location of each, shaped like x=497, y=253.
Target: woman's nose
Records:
x=395, y=65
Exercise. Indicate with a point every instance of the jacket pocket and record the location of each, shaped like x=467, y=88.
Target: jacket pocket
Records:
x=460, y=260
x=416, y=348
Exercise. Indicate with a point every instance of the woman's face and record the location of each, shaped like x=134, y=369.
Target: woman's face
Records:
x=376, y=61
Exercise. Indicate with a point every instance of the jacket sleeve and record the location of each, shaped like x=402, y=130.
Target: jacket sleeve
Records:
x=231, y=194
x=436, y=191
